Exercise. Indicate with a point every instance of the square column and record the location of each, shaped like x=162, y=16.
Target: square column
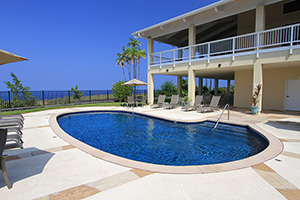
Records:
x=260, y=18
x=258, y=79
x=191, y=81
x=200, y=86
x=192, y=39
x=150, y=50
x=150, y=88
x=179, y=85
x=216, y=86
x=228, y=87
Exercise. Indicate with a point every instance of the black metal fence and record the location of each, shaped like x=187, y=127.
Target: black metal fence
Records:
x=44, y=98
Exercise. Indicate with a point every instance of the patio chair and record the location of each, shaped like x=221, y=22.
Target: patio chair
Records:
x=174, y=102
x=198, y=101
x=160, y=102
x=6, y=123
x=12, y=117
x=142, y=101
x=3, y=136
x=214, y=105
x=130, y=101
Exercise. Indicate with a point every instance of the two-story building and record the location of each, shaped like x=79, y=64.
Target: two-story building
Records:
x=251, y=42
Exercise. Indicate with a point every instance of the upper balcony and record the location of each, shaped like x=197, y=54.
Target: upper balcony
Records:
x=277, y=39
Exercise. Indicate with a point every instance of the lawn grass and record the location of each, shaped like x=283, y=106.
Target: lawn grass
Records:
x=56, y=107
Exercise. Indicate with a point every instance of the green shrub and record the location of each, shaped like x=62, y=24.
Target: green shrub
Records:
x=20, y=95
x=121, y=91
x=76, y=93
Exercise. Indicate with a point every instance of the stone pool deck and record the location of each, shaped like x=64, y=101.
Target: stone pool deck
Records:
x=50, y=168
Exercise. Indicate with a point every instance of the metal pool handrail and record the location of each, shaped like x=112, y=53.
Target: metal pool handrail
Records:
x=226, y=106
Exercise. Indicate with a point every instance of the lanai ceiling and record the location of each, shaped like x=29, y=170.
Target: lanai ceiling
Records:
x=223, y=28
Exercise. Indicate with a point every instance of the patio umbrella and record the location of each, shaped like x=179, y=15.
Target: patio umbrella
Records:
x=134, y=82
x=6, y=57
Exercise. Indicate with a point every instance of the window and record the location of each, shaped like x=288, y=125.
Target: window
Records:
x=292, y=6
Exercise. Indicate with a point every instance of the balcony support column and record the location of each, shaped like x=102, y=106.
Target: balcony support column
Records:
x=191, y=86
x=200, y=86
x=260, y=18
x=192, y=40
x=179, y=85
x=228, y=87
x=150, y=50
x=150, y=88
x=216, y=86
x=258, y=79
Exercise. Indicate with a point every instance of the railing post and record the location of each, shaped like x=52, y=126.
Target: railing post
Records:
x=257, y=46
x=233, y=47
x=174, y=57
x=69, y=96
x=160, y=59
x=107, y=93
x=9, y=104
x=90, y=95
x=208, y=52
x=43, y=95
x=292, y=39
x=190, y=53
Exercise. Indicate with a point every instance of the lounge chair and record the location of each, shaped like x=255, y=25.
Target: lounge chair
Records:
x=214, y=105
x=12, y=117
x=3, y=136
x=160, y=102
x=130, y=101
x=14, y=133
x=142, y=101
x=174, y=102
x=198, y=101
x=5, y=123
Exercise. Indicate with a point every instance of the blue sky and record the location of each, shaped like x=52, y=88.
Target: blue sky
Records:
x=75, y=42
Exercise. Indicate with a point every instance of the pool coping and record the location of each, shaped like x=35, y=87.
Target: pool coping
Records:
x=275, y=148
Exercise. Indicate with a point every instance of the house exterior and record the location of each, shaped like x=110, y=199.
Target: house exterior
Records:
x=251, y=42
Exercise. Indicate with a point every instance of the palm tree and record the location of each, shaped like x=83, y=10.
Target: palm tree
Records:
x=133, y=43
x=121, y=62
x=140, y=54
x=131, y=56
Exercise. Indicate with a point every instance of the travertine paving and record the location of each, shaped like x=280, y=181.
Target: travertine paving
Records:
x=50, y=168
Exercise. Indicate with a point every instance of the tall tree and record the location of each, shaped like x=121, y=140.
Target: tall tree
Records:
x=130, y=58
x=121, y=62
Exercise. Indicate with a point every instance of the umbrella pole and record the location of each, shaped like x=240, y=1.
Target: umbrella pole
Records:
x=134, y=94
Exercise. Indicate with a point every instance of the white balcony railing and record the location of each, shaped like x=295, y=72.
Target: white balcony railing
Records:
x=278, y=39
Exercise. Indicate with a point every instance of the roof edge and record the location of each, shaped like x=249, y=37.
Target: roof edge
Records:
x=137, y=34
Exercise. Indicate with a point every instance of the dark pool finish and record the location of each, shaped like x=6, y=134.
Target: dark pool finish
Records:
x=157, y=141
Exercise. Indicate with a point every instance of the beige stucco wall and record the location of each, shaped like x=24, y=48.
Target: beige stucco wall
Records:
x=243, y=88
x=274, y=18
x=274, y=86
x=246, y=22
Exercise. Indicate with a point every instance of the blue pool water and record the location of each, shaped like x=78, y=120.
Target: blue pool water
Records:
x=157, y=141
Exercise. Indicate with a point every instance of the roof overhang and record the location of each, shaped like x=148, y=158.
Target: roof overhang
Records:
x=209, y=13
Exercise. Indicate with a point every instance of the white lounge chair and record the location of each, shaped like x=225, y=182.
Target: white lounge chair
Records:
x=3, y=136
x=130, y=101
x=198, y=101
x=214, y=105
x=160, y=102
x=174, y=102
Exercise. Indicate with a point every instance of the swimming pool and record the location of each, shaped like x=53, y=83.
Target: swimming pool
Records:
x=150, y=140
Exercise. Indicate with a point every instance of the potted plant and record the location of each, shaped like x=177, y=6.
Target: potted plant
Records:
x=255, y=99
